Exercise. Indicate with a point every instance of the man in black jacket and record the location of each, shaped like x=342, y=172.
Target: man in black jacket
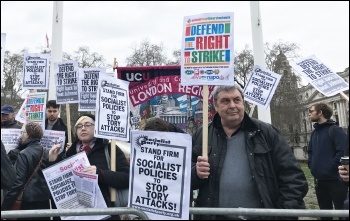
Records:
x=249, y=164
x=326, y=147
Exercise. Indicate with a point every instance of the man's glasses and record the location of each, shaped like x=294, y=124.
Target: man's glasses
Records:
x=87, y=125
x=310, y=111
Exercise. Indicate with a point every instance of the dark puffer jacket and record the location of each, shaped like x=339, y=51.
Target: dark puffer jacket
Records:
x=279, y=178
x=27, y=160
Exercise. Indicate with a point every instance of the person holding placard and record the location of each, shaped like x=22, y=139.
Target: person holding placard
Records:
x=53, y=122
x=326, y=147
x=249, y=163
x=95, y=151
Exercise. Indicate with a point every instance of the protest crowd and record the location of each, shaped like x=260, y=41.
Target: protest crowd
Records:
x=115, y=155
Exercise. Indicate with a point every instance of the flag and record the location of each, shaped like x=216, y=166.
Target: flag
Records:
x=47, y=41
x=183, y=103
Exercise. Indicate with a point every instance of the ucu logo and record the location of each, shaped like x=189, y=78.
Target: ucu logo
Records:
x=137, y=76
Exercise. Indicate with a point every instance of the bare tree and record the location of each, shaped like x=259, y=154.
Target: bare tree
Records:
x=147, y=54
x=12, y=84
x=86, y=59
x=176, y=58
x=272, y=51
x=244, y=63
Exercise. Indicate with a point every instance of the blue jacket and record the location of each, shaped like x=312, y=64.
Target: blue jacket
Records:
x=324, y=152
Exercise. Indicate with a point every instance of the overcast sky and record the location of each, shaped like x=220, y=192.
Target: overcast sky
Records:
x=112, y=28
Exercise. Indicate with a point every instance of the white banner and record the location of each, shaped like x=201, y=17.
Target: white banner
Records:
x=323, y=78
x=112, y=109
x=36, y=69
x=160, y=174
x=261, y=86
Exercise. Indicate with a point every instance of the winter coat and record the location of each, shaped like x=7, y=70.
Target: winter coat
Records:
x=278, y=176
x=324, y=152
x=29, y=154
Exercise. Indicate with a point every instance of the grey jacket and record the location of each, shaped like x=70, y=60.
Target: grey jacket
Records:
x=279, y=178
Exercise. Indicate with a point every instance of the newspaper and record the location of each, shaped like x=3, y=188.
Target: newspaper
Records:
x=72, y=189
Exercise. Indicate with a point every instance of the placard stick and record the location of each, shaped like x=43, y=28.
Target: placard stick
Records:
x=344, y=96
x=252, y=110
x=68, y=124
x=113, y=153
x=205, y=121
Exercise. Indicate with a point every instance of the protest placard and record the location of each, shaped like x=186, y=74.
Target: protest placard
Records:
x=261, y=86
x=207, y=56
x=11, y=138
x=52, y=137
x=160, y=174
x=35, y=108
x=112, y=109
x=21, y=114
x=66, y=79
x=36, y=71
x=61, y=181
x=320, y=76
x=87, y=85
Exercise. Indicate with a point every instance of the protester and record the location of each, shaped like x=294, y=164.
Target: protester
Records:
x=95, y=150
x=8, y=173
x=344, y=173
x=157, y=124
x=53, y=122
x=326, y=147
x=249, y=163
x=36, y=195
x=8, y=117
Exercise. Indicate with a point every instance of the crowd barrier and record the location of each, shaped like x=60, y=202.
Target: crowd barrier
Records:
x=241, y=212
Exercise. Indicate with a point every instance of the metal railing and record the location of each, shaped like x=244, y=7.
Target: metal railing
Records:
x=269, y=212
x=73, y=212
x=240, y=212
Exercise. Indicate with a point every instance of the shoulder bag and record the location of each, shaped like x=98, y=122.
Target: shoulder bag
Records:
x=18, y=202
